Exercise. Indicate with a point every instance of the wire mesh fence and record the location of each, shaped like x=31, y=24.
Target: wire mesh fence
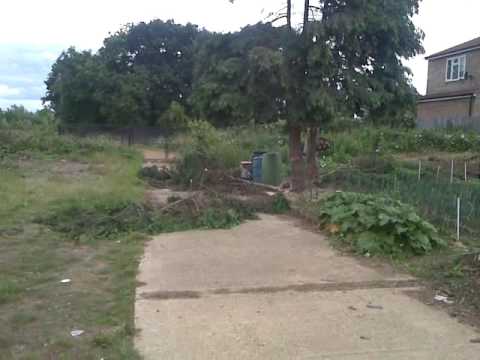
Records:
x=434, y=196
x=466, y=123
x=146, y=135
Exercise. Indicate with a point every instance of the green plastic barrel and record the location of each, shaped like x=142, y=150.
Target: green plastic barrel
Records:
x=272, y=169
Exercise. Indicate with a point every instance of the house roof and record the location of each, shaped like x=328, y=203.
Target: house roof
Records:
x=452, y=95
x=466, y=46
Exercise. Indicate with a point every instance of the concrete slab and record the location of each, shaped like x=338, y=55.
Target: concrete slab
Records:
x=270, y=289
x=292, y=325
x=272, y=252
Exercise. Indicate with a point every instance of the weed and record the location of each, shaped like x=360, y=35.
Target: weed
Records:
x=9, y=290
x=378, y=226
x=280, y=204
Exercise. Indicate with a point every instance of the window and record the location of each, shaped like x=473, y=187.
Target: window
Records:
x=456, y=68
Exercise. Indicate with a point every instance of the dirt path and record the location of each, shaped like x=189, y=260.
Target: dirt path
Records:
x=270, y=289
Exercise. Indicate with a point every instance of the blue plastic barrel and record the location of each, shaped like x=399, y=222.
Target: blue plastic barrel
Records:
x=257, y=168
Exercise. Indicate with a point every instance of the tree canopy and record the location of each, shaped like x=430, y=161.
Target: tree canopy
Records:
x=346, y=60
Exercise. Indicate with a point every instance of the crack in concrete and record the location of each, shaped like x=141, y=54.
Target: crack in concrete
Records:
x=309, y=287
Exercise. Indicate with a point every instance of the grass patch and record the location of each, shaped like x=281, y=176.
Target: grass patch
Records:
x=79, y=214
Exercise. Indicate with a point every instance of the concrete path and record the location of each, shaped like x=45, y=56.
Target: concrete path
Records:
x=270, y=289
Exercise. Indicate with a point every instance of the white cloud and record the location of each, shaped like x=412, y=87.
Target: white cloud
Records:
x=31, y=105
x=7, y=91
x=54, y=24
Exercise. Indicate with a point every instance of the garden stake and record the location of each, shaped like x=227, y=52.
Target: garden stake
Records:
x=451, y=174
x=458, y=218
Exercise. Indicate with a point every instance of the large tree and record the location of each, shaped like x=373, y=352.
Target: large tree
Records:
x=237, y=76
x=133, y=79
x=345, y=58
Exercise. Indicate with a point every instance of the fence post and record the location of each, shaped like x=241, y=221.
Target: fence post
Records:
x=419, y=170
x=438, y=173
x=466, y=175
x=458, y=218
x=451, y=173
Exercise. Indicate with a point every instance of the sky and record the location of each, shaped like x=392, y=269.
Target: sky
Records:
x=33, y=33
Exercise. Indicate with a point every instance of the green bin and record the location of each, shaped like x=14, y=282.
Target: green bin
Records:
x=272, y=169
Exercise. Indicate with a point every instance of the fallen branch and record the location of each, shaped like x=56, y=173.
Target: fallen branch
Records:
x=178, y=202
x=247, y=182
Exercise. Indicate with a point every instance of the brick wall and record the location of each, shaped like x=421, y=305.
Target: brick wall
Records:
x=455, y=113
x=437, y=83
x=443, y=109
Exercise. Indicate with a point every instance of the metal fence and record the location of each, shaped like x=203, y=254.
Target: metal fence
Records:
x=461, y=122
x=126, y=135
x=434, y=195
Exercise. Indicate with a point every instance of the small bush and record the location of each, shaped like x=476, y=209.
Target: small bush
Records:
x=378, y=225
x=280, y=204
x=207, y=149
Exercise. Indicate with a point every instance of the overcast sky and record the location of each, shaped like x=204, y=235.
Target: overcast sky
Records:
x=33, y=32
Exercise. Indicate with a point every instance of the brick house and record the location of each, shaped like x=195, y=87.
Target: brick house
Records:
x=452, y=88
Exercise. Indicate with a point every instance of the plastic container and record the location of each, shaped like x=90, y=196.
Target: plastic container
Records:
x=257, y=168
x=272, y=169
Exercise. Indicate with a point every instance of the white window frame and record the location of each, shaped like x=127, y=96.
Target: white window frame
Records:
x=462, y=68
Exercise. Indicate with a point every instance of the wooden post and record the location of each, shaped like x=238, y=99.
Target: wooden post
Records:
x=466, y=175
x=458, y=218
x=451, y=173
x=419, y=170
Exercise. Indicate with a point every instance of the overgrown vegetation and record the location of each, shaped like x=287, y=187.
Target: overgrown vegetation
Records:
x=376, y=225
x=73, y=209
x=358, y=140
x=205, y=150
x=435, y=198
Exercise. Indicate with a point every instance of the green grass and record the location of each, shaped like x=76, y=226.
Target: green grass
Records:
x=37, y=312
x=78, y=214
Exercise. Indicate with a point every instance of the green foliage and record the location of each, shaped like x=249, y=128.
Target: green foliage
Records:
x=237, y=76
x=366, y=140
x=378, y=225
x=133, y=79
x=434, y=198
x=109, y=220
x=214, y=218
x=42, y=138
x=9, y=290
x=207, y=149
x=280, y=204
x=19, y=116
x=174, y=118
x=261, y=73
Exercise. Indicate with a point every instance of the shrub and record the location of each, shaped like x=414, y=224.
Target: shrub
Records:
x=280, y=204
x=43, y=138
x=378, y=225
x=207, y=149
x=367, y=140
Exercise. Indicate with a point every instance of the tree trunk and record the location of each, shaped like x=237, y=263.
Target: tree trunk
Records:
x=306, y=13
x=296, y=159
x=289, y=14
x=312, y=168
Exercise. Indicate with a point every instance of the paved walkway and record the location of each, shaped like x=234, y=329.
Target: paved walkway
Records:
x=269, y=289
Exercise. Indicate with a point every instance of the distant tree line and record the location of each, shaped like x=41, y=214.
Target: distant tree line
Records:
x=19, y=115
x=161, y=73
